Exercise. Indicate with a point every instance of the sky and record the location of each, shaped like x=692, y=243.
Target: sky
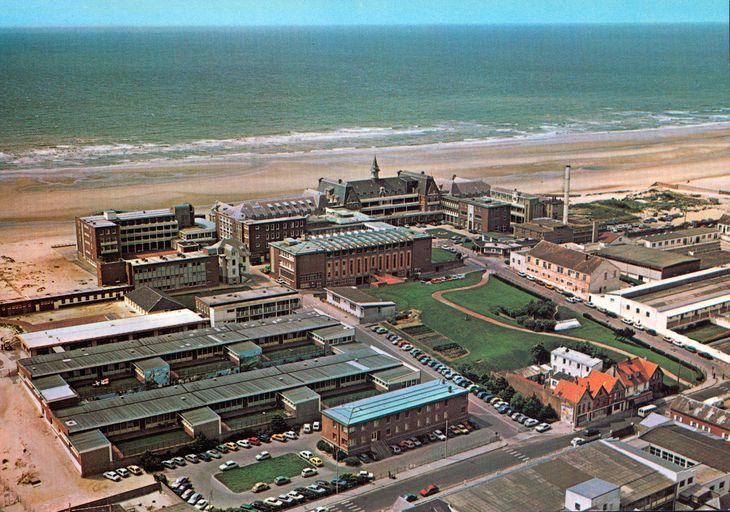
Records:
x=79, y=13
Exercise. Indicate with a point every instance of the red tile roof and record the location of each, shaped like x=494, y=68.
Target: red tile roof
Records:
x=597, y=380
x=570, y=391
x=635, y=371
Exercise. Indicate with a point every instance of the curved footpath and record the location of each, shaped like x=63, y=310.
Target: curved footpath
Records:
x=439, y=296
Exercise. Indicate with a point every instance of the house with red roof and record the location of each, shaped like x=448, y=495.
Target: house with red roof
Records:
x=641, y=378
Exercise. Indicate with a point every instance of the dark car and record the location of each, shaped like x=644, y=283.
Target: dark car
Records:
x=706, y=355
x=204, y=457
x=590, y=432
x=364, y=458
x=264, y=438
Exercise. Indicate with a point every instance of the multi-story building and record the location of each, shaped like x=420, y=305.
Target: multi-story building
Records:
x=639, y=262
x=463, y=187
x=355, y=427
x=642, y=379
x=590, y=398
x=681, y=238
x=526, y=207
x=478, y=215
x=574, y=271
x=248, y=305
x=407, y=198
x=112, y=235
x=234, y=260
x=573, y=363
x=346, y=259
x=259, y=222
x=723, y=226
x=174, y=271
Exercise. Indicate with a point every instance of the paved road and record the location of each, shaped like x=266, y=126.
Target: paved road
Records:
x=454, y=474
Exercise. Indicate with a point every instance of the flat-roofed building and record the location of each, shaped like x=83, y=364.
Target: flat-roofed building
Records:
x=110, y=331
x=567, y=269
x=248, y=305
x=346, y=259
x=674, y=303
x=552, y=230
x=176, y=271
x=573, y=363
x=393, y=416
x=258, y=222
x=360, y=304
x=526, y=207
x=681, y=238
x=545, y=485
x=477, y=214
x=640, y=262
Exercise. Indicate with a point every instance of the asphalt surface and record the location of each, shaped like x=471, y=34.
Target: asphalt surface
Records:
x=456, y=473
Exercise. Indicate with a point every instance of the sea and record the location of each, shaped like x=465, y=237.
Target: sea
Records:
x=99, y=96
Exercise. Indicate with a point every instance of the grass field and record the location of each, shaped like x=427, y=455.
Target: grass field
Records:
x=493, y=347
x=439, y=255
x=490, y=347
x=243, y=479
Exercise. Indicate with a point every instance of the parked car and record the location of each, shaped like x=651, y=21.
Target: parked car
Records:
x=307, y=472
x=316, y=461
x=191, y=457
x=316, y=426
x=429, y=490
x=203, y=456
x=263, y=456
x=264, y=438
x=222, y=448
x=196, y=496
x=395, y=449
x=179, y=461
x=282, y=480
x=590, y=432
x=706, y=355
x=273, y=502
x=231, y=446
x=589, y=304
x=123, y=472
x=543, y=427
x=531, y=422
x=279, y=437
x=202, y=504
x=577, y=441
x=290, y=434
x=306, y=454
x=112, y=475
x=169, y=464
x=214, y=453
x=260, y=487
x=410, y=497
x=135, y=470
x=244, y=443
x=229, y=464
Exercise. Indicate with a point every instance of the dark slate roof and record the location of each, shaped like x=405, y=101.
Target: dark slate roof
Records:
x=709, y=450
x=152, y=300
x=575, y=260
x=405, y=182
x=461, y=187
x=725, y=219
x=281, y=207
x=702, y=411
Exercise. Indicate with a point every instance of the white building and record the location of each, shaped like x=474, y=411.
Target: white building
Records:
x=574, y=363
x=680, y=238
x=593, y=494
x=248, y=305
x=359, y=304
x=234, y=260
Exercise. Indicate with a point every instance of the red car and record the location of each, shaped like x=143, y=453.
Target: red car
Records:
x=428, y=491
x=254, y=441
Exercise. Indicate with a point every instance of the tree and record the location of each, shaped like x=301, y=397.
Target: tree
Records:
x=547, y=413
x=517, y=402
x=625, y=334
x=278, y=425
x=532, y=407
x=499, y=384
x=150, y=462
x=507, y=393
x=540, y=355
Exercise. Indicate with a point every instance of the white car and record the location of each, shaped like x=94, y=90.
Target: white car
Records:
x=263, y=456
x=577, y=441
x=244, y=443
x=439, y=435
x=201, y=504
x=306, y=454
x=542, y=427
x=366, y=474
x=627, y=321
x=123, y=472
x=306, y=472
x=307, y=428
x=273, y=502
x=229, y=464
x=195, y=498
x=290, y=434
x=316, y=426
x=112, y=475
x=677, y=343
x=589, y=304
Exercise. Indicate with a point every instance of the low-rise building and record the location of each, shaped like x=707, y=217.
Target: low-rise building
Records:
x=360, y=304
x=680, y=238
x=145, y=300
x=702, y=416
x=640, y=262
x=347, y=259
x=248, y=305
x=553, y=230
x=642, y=379
x=573, y=362
x=394, y=416
x=574, y=271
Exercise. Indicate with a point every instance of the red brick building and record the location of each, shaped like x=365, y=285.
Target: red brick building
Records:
x=391, y=417
x=478, y=215
x=702, y=416
x=642, y=379
x=347, y=259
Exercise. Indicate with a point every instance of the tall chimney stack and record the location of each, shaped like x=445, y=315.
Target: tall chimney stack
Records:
x=566, y=194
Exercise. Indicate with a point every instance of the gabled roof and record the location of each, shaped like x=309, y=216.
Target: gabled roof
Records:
x=575, y=260
x=279, y=207
x=725, y=219
x=152, y=300
x=702, y=411
x=570, y=391
x=635, y=371
x=461, y=187
x=597, y=380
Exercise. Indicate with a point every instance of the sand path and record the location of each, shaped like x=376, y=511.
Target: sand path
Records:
x=439, y=296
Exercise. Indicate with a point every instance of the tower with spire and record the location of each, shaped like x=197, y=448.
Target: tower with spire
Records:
x=374, y=169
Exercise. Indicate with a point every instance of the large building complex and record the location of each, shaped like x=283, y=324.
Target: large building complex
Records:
x=526, y=207
x=477, y=214
x=390, y=417
x=259, y=222
x=345, y=259
x=567, y=269
x=673, y=303
x=248, y=305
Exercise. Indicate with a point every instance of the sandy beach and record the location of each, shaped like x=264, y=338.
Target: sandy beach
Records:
x=601, y=162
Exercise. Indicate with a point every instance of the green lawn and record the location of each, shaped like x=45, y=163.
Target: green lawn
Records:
x=439, y=255
x=441, y=233
x=242, y=479
x=490, y=346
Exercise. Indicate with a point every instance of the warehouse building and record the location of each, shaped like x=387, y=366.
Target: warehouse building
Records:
x=347, y=259
x=248, y=305
x=110, y=331
x=681, y=238
x=642, y=263
x=391, y=417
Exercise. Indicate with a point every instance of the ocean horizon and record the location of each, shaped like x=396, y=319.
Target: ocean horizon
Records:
x=95, y=97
